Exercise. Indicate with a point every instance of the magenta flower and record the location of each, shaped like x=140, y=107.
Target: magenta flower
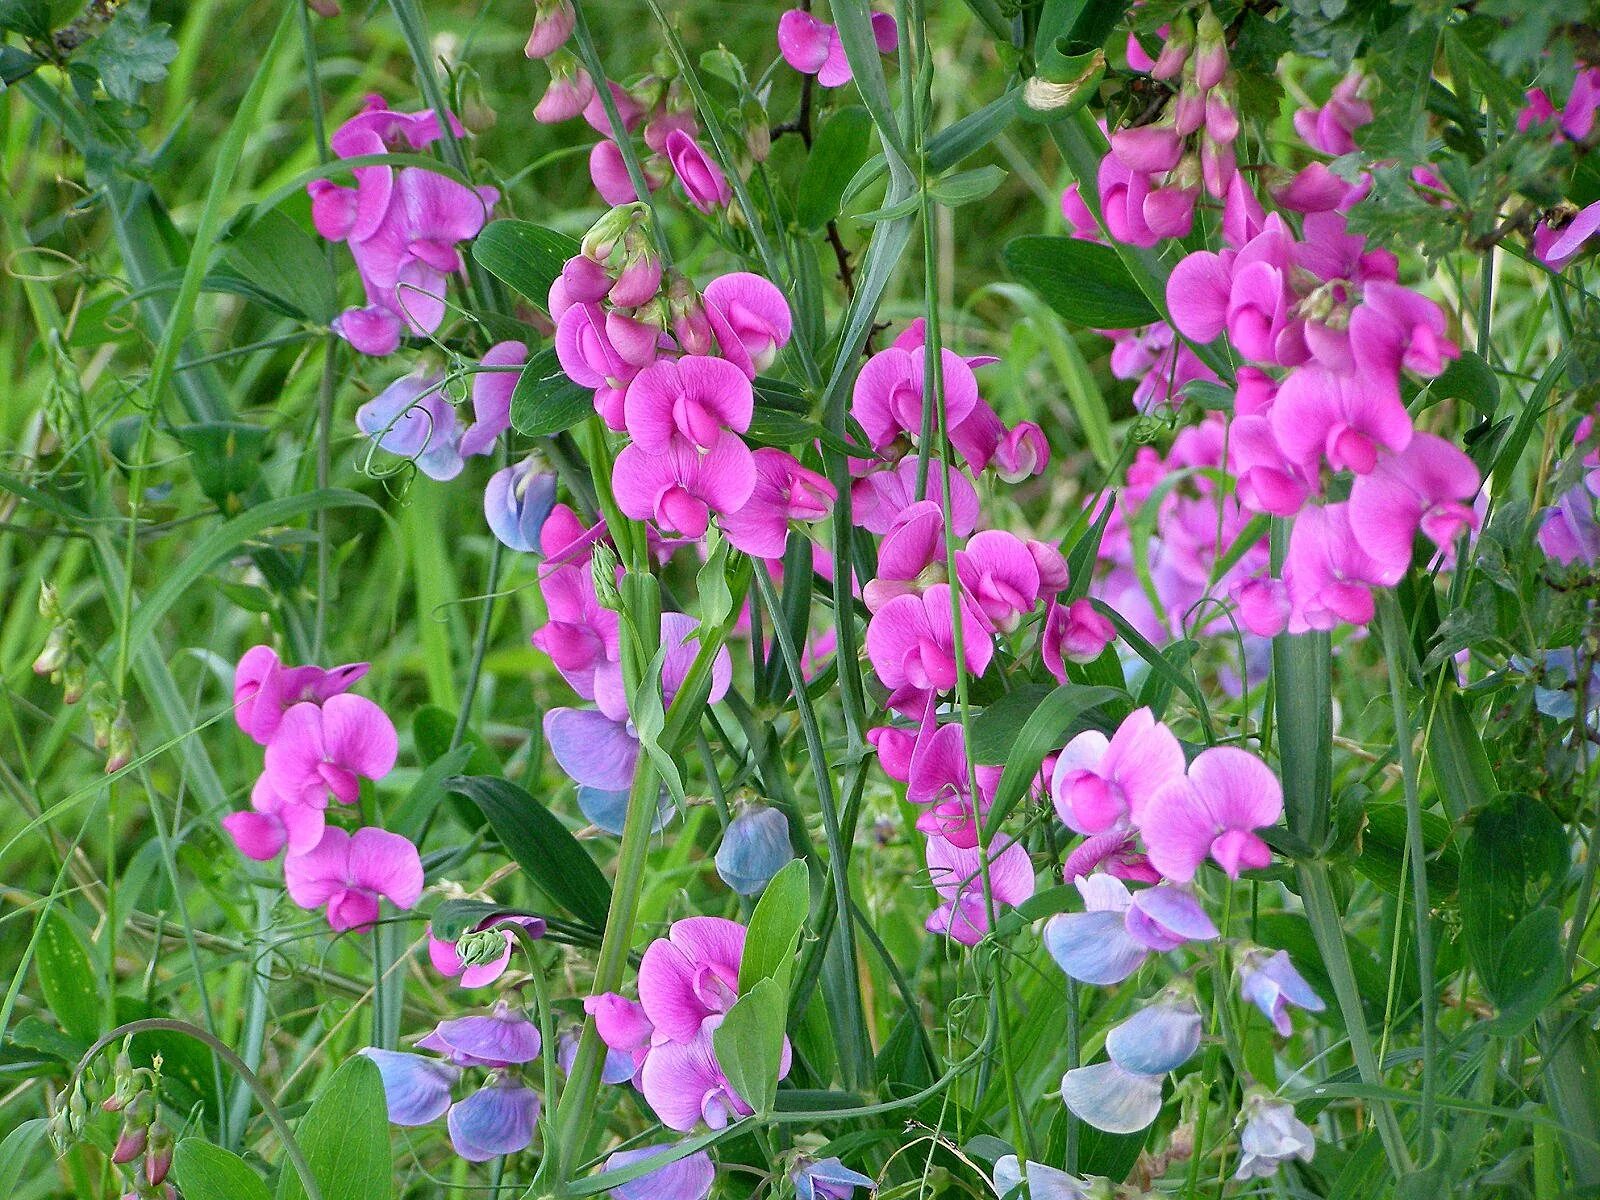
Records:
x=349, y=873
x=491, y=397
x=880, y=497
x=1022, y=453
x=273, y=823
x=685, y=1085
x=812, y=47
x=679, y=489
x=1568, y=531
x=691, y=975
x=1229, y=793
x=1322, y=414
x=1263, y=605
x=1564, y=247
x=939, y=780
x=910, y=642
x=325, y=750
x=623, y=1027
x=749, y=318
x=1329, y=573
x=784, y=491
x=1428, y=486
x=687, y=404
x=480, y=972
x=1328, y=129
x=580, y=636
x=1268, y=481
x=1115, y=851
x=999, y=575
x=1076, y=633
x=264, y=688
x=957, y=876
x=552, y=26
x=889, y=394
x=567, y=94
x=911, y=556
x=1122, y=202
x=1101, y=784
x=1119, y=929
x=703, y=181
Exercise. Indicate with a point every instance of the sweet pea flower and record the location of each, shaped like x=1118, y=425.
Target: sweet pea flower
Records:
x=1228, y=794
x=685, y=1085
x=1319, y=413
x=813, y=47
x=623, y=1027
x=492, y=954
x=1264, y=606
x=703, y=181
x=1568, y=531
x=1160, y=1037
x=1329, y=129
x=827, y=1179
x=1043, y=1182
x=691, y=976
x=1270, y=1136
x=503, y=1037
x=940, y=782
x=274, y=823
x=999, y=575
x=880, y=497
x=552, y=26
x=957, y=876
x=1110, y=1099
x=688, y=1178
x=890, y=391
x=1118, y=929
x=755, y=847
x=491, y=397
x=1328, y=573
x=327, y=749
x=580, y=636
x=784, y=491
x=516, y=503
x=1269, y=981
x=1077, y=633
x=498, y=1119
x=1428, y=486
x=1022, y=453
x=416, y=1089
x=570, y=89
x=679, y=489
x=687, y=404
x=1101, y=784
x=412, y=419
x=910, y=557
x=264, y=688
x=348, y=873
x=1115, y=851
x=749, y=318
x=910, y=641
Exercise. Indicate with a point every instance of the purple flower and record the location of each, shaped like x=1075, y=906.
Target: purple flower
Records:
x=785, y=491
x=703, y=181
x=264, y=689
x=1271, y=1135
x=1269, y=981
x=416, y=1088
x=754, y=848
x=1229, y=793
x=691, y=975
x=689, y=1178
x=1117, y=930
x=501, y=1038
x=327, y=749
x=491, y=397
x=412, y=419
x=1111, y=1099
x=687, y=403
x=957, y=877
x=498, y=1118
x=828, y=1179
x=516, y=502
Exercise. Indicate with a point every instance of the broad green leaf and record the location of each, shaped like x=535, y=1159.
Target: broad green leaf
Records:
x=36, y=18
x=841, y=146
x=272, y=251
x=132, y=52
x=1514, y=860
x=207, y=1172
x=542, y=846
x=431, y=730
x=775, y=926
x=546, y=401
x=1084, y=282
x=345, y=1137
x=1043, y=732
x=226, y=457
x=994, y=730
x=71, y=992
x=524, y=256
x=1471, y=379
x=1529, y=971
x=17, y=1151
x=749, y=1044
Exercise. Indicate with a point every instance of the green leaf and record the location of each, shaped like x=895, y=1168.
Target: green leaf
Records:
x=271, y=251
x=841, y=146
x=1471, y=379
x=524, y=256
x=1084, y=282
x=546, y=401
x=207, y=1172
x=17, y=1150
x=542, y=846
x=994, y=730
x=410, y=817
x=1064, y=84
x=71, y=992
x=1043, y=732
x=1529, y=972
x=226, y=457
x=965, y=187
x=749, y=1044
x=131, y=52
x=775, y=926
x=36, y=18
x=345, y=1137
x=431, y=730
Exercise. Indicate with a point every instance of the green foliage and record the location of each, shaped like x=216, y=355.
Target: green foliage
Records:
x=1085, y=282
x=345, y=1138
x=207, y=1172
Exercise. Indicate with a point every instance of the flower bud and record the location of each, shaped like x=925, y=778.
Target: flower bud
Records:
x=755, y=847
x=119, y=743
x=74, y=680
x=1189, y=109
x=50, y=605
x=604, y=565
x=1176, y=50
x=1211, y=51
x=324, y=8
x=158, y=1154
x=584, y=279
x=690, y=325
x=480, y=947
x=516, y=502
x=640, y=276
x=131, y=1141
x=477, y=114
x=57, y=649
x=570, y=88
x=552, y=26
x=757, y=133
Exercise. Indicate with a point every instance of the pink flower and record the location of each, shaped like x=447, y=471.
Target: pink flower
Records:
x=812, y=47
x=447, y=962
x=703, y=181
x=957, y=876
x=1568, y=531
x=1319, y=413
x=622, y=1026
x=1572, y=238
x=608, y=171
x=1023, y=452
x=939, y=781
x=691, y=976
x=1328, y=129
x=1328, y=573
x=687, y=404
x=910, y=557
x=1000, y=577
x=1122, y=201
x=318, y=751
x=1076, y=633
x=910, y=642
x=890, y=393
x=264, y=689
x=684, y=1084
x=552, y=26
x=1427, y=486
x=881, y=497
x=1101, y=784
x=750, y=319
x=491, y=397
x=570, y=89
x=1229, y=793
x=274, y=822
x=784, y=491
x=580, y=636
x=1263, y=605
x=679, y=489
x=348, y=873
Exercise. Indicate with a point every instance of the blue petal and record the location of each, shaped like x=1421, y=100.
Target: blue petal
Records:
x=689, y=1178
x=606, y=810
x=494, y=1120
x=591, y=748
x=417, y=1089
x=1111, y=1099
x=754, y=848
x=1157, y=1039
x=831, y=1179
x=1044, y=1183
x=1093, y=947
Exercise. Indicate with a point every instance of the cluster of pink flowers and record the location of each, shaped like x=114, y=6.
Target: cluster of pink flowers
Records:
x=403, y=226
x=320, y=741
x=688, y=981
